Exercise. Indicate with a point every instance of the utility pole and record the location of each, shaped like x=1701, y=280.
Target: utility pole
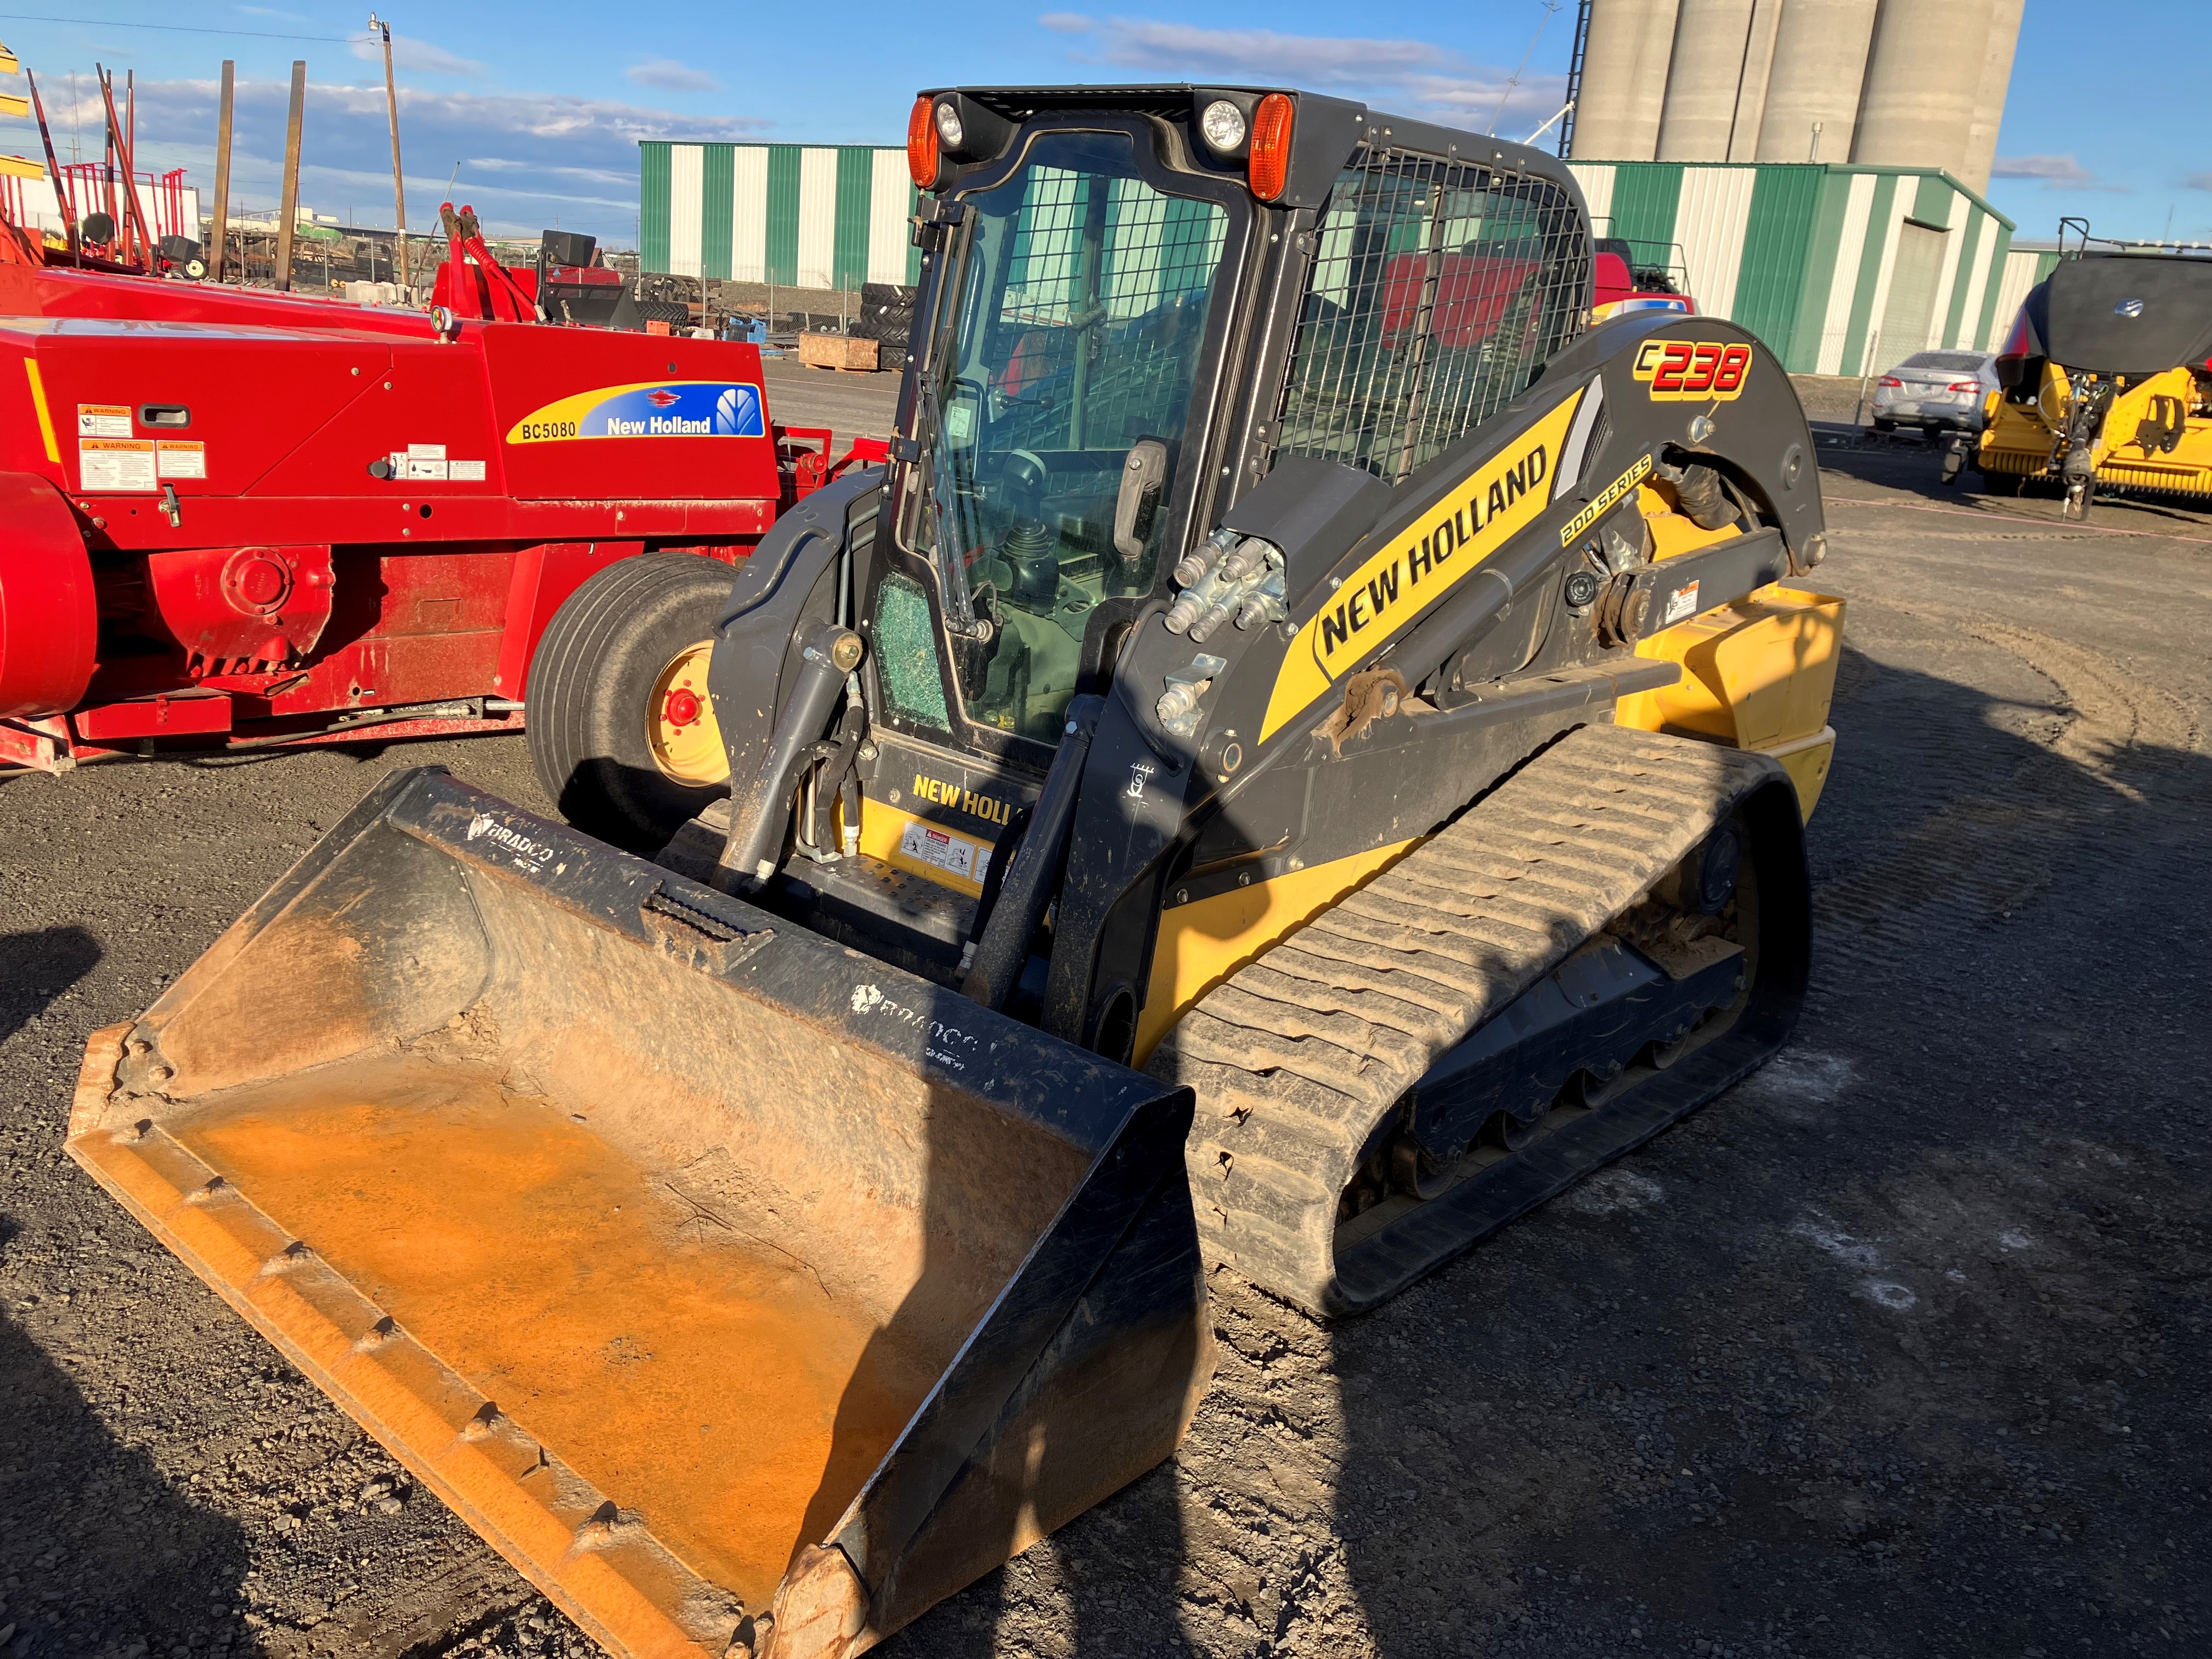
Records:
x=289, y=209
x=399, y=185
x=220, y=238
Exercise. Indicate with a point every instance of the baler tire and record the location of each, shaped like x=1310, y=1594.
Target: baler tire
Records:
x=591, y=677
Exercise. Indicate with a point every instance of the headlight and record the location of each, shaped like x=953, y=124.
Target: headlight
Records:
x=948, y=126
x=1223, y=124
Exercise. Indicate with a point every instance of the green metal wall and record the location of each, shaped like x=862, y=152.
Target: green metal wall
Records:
x=798, y=216
x=1801, y=253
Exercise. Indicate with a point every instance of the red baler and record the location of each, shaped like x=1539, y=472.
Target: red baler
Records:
x=243, y=518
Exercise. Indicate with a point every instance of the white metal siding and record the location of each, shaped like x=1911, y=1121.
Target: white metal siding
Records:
x=889, y=183
x=749, y=219
x=1939, y=315
x=1844, y=286
x=2012, y=288
x=1880, y=309
x=1710, y=216
x=686, y=177
x=1597, y=180
x=818, y=217
x=1977, y=282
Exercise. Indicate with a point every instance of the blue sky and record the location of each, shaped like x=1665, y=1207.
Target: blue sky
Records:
x=540, y=107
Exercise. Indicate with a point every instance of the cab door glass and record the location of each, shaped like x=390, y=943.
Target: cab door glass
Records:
x=1072, y=348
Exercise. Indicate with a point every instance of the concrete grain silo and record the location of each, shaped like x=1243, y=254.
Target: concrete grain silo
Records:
x=1916, y=83
x=1717, y=80
x=1989, y=105
x=1819, y=66
x=1924, y=81
x=1810, y=169
x=1623, y=85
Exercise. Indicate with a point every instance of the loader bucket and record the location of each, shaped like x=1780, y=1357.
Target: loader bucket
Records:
x=745, y=1293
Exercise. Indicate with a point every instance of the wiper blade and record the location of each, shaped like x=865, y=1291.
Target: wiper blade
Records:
x=944, y=493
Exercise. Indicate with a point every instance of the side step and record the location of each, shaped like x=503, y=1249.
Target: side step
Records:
x=1302, y=1060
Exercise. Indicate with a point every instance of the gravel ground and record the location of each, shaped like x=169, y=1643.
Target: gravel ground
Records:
x=1898, y=1347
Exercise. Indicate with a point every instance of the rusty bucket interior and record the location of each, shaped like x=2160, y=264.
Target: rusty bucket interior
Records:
x=742, y=1290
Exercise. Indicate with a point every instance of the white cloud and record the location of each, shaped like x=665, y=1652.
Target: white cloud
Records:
x=2199, y=181
x=2060, y=169
x=1307, y=59
x=666, y=75
x=1417, y=77
x=420, y=56
x=2056, y=172
x=531, y=156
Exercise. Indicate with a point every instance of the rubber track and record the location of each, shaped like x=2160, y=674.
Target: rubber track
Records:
x=1297, y=1058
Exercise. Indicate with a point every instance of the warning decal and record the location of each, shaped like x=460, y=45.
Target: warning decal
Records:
x=177, y=457
x=945, y=849
x=103, y=421
x=109, y=464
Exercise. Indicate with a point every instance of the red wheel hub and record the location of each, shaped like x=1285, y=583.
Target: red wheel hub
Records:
x=681, y=709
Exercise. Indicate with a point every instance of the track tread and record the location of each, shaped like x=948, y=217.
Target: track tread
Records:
x=1297, y=1057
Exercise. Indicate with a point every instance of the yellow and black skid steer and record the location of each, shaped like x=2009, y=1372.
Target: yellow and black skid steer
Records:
x=1301, y=754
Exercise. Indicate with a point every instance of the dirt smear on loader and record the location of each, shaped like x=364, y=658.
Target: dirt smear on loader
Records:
x=706, y=1376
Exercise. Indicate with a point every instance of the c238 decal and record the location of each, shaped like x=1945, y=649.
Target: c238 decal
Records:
x=1701, y=371
x=1420, y=564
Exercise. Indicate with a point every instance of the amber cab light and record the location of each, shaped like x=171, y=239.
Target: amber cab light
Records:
x=1271, y=147
x=921, y=144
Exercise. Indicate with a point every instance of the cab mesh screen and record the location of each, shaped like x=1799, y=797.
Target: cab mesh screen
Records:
x=1437, y=290
x=1104, y=302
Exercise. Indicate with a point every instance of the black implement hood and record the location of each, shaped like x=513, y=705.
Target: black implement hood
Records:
x=2123, y=314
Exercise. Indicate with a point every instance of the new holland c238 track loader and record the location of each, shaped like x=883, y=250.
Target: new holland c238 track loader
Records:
x=1300, y=754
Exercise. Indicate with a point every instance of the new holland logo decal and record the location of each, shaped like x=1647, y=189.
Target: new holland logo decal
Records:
x=1693, y=371
x=1420, y=565
x=652, y=408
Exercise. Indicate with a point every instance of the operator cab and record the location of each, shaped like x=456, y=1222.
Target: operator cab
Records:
x=1130, y=302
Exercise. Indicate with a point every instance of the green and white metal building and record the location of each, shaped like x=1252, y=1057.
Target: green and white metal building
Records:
x=1841, y=270
x=798, y=215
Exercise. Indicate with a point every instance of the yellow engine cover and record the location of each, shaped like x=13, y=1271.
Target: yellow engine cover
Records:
x=1757, y=674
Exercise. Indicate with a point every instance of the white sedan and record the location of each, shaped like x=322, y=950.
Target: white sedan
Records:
x=1935, y=391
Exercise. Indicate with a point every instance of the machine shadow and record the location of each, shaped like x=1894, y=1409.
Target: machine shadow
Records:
x=98, y=1550
x=40, y=966
x=1911, y=464
x=1521, y=1427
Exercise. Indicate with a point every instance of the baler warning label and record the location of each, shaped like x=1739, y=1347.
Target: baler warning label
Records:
x=111, y=465
x=103, y=421
x=177, y=458
x=670, y=409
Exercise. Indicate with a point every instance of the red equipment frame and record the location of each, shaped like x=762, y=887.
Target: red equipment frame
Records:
x=237, y=518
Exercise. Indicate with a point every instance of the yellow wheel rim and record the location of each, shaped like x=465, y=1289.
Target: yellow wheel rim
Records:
x=679, y=721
